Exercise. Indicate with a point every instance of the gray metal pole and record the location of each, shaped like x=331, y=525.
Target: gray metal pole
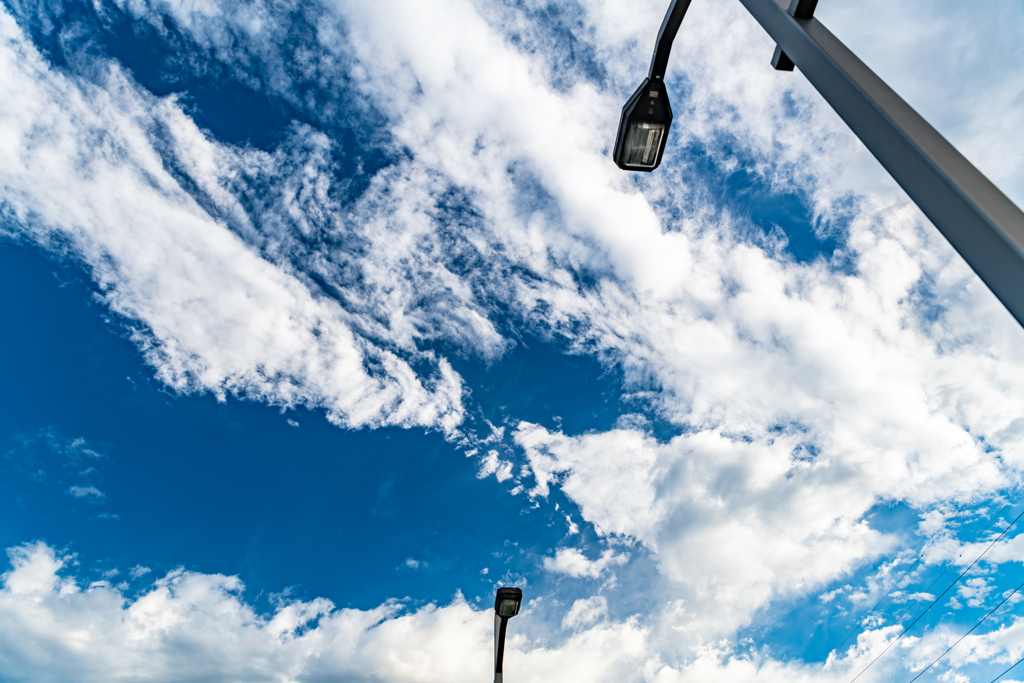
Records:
x=978, y=220
x=500, y=625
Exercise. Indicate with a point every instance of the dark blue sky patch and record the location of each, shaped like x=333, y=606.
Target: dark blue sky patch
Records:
x=780, y=220
x=233, y=487
x=536, y=382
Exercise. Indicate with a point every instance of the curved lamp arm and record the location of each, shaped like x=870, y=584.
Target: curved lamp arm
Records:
x=663, y=46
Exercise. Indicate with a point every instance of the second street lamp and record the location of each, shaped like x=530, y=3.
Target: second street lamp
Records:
x=981, y=223
x=506, y=606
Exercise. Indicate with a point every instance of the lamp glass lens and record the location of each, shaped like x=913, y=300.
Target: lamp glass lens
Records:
x=507, y=608
x=643, y=143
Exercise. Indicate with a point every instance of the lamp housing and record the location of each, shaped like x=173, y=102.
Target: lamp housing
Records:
x=643, y=128
x=507, y=602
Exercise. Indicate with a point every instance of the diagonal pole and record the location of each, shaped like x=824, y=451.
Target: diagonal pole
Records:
x=981, y=223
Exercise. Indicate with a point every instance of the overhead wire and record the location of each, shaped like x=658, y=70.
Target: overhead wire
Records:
x=991, y=521
x=936, y=600
x=896, y=583
x=978, y=535
x=855, y=629
x=920, y=556
x=934, y=581
x=1008, y=670
x=980, y=622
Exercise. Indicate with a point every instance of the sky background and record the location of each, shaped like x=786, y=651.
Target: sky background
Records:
x=325, y=318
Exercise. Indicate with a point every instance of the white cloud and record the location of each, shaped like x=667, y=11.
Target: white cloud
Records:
x=1006, y=546
x=197, y=626
x=492, y=464
x=975, y=591
x=734, y=523
x=811, y=343
x=572, y=562
x=138, y=571
x=88, y=492
x=585, y=612
x=209, y=313
x=187, y=625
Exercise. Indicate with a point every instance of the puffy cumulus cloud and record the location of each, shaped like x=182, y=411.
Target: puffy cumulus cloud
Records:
x=734, y=523
x=586, y=611
x=208, y=311
x=190, y=626
x=572, y=562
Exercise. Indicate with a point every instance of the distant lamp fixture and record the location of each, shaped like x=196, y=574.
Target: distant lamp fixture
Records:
x=643, y=128
x=506, y=606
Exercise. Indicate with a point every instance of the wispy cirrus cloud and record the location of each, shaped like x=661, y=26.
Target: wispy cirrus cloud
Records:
x=208, y=311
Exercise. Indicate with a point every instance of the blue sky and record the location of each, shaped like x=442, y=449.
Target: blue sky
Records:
x=324, y=319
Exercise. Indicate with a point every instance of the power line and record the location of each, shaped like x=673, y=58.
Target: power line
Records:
x=991, y=521
x=916, y=562
x=870, y=612
x=906, y=571
x=968, y=633
x=925, y=591
x=946, y=570
x=977, y=535
x=1007, y=671
x=936, y=600
x=969, y=500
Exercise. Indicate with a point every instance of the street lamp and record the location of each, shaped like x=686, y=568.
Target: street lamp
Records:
x=646, y=117
x=506, y=606
x=981, y=223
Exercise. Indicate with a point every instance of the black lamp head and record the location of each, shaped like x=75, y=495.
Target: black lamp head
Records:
x=507, y=601
x=643, y=128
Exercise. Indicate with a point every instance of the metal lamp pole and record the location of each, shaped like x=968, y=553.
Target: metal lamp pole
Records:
x=981, y=223
x=506, y=606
